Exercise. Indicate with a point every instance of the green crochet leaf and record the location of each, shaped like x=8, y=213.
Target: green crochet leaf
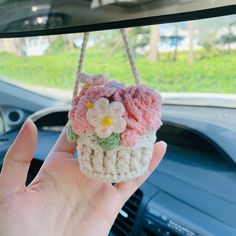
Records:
x=71, y=136
x=109, y=143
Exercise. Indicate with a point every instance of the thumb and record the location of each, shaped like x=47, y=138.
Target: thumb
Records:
x=17, y=160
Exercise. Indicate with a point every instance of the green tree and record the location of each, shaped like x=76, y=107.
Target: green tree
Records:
x=228, y=39
x=60, y=43
x=209, y=41
x=139, y=37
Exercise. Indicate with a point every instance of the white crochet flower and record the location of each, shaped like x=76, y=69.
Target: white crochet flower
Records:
x=106, y=118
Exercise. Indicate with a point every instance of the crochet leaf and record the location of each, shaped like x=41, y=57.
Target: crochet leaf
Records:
x=71, y=136
x=109, y=143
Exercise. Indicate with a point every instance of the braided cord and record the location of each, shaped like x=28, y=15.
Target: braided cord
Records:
x=130, y=56
x=82, y=55
x=80, y=64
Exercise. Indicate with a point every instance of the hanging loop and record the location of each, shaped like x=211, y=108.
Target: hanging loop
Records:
x=129, y=53
x=80, y=64
x=130, y=56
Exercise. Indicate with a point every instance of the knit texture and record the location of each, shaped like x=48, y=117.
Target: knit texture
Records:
x=114, y=127
x=117, y=165
x=142, y=109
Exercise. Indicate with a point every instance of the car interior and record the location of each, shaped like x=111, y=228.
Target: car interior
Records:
x=193, y=190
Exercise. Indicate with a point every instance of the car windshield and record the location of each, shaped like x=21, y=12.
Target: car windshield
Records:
x=188, y=62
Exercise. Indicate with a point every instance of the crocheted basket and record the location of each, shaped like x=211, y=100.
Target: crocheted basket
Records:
x=114, y=125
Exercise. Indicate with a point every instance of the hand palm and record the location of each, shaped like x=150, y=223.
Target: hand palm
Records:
x=60, y=200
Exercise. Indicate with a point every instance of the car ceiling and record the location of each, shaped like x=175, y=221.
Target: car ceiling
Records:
x=28, y=18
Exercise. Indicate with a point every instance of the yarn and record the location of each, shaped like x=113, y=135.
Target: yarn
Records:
x=93, y=80
x=114, y=125
x=71, y=136
x=77, y=114
x=119, y=164
x=109, y=143
x=107, y=117
x=142, y=111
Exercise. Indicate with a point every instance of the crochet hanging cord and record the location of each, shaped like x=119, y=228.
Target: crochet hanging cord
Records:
x=114, y=125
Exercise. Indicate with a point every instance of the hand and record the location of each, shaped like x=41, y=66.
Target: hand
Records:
x=60, y=200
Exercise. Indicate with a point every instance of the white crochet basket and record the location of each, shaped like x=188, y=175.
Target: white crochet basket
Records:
x=101, y=162
x=120, y=164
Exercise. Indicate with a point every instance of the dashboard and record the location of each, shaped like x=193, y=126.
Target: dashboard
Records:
x=1, y=125
x=193, y=190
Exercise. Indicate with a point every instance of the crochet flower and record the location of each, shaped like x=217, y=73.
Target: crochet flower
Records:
x=142, y=112
x=107, y=118
x=93, y=80
x=82, y=103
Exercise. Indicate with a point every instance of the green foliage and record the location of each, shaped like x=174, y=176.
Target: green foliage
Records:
x=71, y=136
x=228, y=38
x=109, y=143
x=59, y=44
x=139, y=37
x=209, y=41
x=215, y=74
x=56, y=45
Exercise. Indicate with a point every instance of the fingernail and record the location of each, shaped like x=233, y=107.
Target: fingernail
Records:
x=162, y=143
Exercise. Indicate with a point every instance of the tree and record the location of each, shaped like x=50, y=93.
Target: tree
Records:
x=16, y=46
x=68, y=41
x=208, y=41
x=228, y=39
x=60, y=42
x=139, y=37
x=191, y=45
x=154, y=42
x=175, y=39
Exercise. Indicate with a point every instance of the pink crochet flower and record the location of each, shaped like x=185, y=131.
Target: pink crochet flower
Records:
x=93, y=80
x=77, y=115
x=142, y=107
x=129, y=137
x=142, y=114
x=85, y=101
x=113, y=83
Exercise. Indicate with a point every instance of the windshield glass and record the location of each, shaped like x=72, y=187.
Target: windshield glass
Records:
x=187, y=59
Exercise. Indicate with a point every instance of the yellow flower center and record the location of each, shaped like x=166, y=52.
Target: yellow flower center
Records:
x=106, y=121
x=89, y=105
x=86, y=86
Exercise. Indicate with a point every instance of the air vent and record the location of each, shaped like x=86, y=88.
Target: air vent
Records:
x=14, y=117
x=125, y=220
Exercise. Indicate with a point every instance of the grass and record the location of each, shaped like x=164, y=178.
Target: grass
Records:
x=215, y=74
